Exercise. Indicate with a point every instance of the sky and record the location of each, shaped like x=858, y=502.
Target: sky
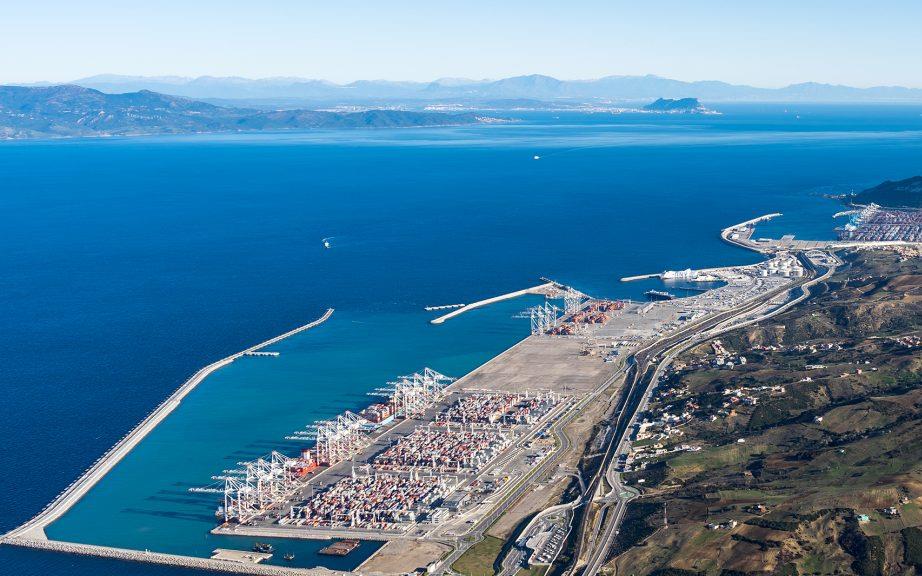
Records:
x=761, y=43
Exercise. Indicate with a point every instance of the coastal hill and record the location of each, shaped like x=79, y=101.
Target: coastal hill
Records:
x=681, y=105
x=900, y=194
x=67, y=110
x=808, y=454
x=535, y=86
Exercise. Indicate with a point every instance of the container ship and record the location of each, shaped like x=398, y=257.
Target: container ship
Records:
x=378, y=415
x=303, y=465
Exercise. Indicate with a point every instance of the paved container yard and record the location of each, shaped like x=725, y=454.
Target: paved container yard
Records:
x=540, y=363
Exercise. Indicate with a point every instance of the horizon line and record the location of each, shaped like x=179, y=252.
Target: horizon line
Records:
x=462, y=79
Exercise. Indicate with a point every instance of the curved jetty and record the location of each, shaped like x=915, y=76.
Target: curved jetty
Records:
x=539, y=289
x=33, y=530
x=739, y=234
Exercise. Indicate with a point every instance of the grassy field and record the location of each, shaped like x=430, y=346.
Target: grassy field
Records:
x=479, y=558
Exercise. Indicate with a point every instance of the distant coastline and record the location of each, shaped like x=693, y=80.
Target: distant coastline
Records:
x=73, y=111
x=70, y=111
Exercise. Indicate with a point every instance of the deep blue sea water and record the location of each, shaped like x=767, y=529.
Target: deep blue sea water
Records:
x=129, y=263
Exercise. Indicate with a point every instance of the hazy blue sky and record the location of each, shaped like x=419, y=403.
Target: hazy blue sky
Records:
x=765, y=43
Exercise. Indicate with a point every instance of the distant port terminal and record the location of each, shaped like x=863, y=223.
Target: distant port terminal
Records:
x=433, y=462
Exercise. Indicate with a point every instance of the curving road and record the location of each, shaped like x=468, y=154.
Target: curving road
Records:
x=475, y=534
x=614, y=503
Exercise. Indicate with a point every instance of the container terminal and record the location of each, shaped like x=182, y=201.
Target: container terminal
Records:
x=435, y=463
x=439, y=458
x=876, y=224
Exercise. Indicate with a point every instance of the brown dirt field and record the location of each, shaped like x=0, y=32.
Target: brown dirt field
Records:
x=403, y=556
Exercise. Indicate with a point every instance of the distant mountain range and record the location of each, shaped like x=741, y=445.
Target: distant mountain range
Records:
x=60, y=111
x=533, y=87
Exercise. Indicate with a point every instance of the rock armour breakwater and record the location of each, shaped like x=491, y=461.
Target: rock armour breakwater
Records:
x=540, y=289
x=33, y=529
x=170, y=559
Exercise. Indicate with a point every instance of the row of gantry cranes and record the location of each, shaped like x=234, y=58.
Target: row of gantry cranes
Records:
x=339, y=438
x=546, y=317
x=267, y=483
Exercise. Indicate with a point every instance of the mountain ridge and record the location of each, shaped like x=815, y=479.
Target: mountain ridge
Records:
x=73, y=111
x=906, y=193
x=534, y=86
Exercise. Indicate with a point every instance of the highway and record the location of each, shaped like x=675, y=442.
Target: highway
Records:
x=614, y=503
x=514, y=560
x=475, y=534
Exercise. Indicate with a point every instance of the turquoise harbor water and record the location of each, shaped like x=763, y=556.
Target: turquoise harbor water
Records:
x=130, y=263
x=245, y=410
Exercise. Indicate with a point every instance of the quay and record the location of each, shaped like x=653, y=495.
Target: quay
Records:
x=703, y=271
x=242, y=556
x=34, y=530
x=540, y=289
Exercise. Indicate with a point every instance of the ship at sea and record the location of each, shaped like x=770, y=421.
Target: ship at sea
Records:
x=656, y=295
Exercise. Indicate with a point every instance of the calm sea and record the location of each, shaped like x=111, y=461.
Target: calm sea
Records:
x=130, y=263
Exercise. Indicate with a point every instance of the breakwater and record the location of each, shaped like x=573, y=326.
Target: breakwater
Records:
x=169, y=559
x=34, y=529
x=540, y=289
x=732, y=234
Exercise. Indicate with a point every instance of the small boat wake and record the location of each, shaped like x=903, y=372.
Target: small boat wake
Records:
x=326, y=242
